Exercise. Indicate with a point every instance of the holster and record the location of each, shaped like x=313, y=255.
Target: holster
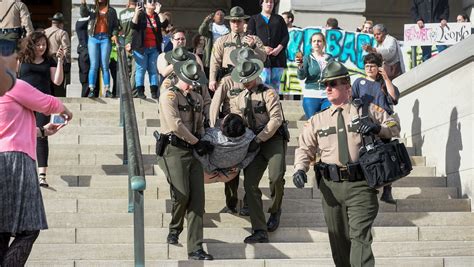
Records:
x=283, y=131
x=162, y=140
x=178, y=142
x=222, y=72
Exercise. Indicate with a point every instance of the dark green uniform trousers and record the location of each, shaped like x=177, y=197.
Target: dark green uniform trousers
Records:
x=271, y=154
x=186, y=178
x=350, y=209
x=230, y=190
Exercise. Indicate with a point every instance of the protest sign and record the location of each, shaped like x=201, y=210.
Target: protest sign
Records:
x=434, y=34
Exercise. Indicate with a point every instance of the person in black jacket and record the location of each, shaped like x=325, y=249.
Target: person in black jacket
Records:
x=272, y=30
x=430, y=11
x=146, y=46
x=102, y=29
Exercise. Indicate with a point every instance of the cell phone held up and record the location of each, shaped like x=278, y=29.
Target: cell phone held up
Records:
x=58, y=119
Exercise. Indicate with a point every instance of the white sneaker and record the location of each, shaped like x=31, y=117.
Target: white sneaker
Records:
x=42, y=181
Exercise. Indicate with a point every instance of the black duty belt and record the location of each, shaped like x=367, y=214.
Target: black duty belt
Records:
x=11, y=30
x=178, y=142
x=352, y=172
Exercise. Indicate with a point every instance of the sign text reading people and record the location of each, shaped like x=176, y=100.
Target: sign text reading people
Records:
x=434, y=34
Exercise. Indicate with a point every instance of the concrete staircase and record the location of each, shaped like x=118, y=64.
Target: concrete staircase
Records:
x=89, y=225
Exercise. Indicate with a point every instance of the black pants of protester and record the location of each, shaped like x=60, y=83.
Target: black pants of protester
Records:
x=17, y=253
x=42, y=147
x=113, y=74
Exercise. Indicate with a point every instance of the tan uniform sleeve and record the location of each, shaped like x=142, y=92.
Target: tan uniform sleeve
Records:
x=25, y=18
x=169, y=107
x=390, y=124
x=260, y=49
x=216, y=58
x=206, y=100
x=307, y=146
x=66, y=44
x=272, y=104
x=198, y=117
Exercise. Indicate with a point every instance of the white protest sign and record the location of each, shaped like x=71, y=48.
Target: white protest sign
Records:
x=434, y=34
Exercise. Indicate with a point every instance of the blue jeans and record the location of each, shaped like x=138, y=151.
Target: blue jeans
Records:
x=426, y=51
x=146, y=62
x=99, y=47
x=313, y=105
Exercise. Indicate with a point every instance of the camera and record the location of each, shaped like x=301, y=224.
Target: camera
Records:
x=58, y=119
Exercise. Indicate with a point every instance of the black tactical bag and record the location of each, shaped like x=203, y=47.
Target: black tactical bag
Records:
x=382, y=163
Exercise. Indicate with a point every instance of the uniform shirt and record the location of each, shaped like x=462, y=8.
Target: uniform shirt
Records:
x=320, y=134
x=58, y=38
x=227, y=90
x=182, y=123
x=265, y=107
x=222, y=48
x=371, y=92
x=18, y=16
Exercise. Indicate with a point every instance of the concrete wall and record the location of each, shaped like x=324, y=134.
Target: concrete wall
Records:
x=437, y=113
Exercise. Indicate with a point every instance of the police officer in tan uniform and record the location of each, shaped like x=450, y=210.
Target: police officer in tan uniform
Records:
x=349, y=204
x=180, y=54
x=14, y=19
x=260, y=107
x=220, y=57
x=181, y=119
x=228, y=90
x=59, y=39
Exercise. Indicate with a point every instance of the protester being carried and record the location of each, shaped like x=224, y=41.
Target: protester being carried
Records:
x=231, y=142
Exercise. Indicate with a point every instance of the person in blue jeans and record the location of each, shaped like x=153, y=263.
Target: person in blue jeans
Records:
x=310, y=69
x=146, y=45
x=102, y=30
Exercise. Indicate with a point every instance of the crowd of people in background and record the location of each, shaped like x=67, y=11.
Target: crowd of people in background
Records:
x=235, y=67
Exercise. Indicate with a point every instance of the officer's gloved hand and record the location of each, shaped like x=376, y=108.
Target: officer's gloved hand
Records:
x=253, y=146
x=203, y=147
x=368, y=127
x=300, y=178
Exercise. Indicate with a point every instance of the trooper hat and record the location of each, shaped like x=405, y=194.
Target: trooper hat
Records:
x=241, y=54
x=57, y=17
x=236, y=13
x=190, y=72
x=179, y=54
x=334, y=70
x=247, y=70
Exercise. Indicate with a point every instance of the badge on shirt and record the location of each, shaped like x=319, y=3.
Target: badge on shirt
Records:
x=362, y=82
x=171, y=96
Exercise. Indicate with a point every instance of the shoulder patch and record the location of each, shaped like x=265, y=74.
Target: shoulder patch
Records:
x=171, y=96
x=270, y=93
x=378, y=108
x=391, y=124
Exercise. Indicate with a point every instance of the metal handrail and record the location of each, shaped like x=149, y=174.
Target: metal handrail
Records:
x=132, y=156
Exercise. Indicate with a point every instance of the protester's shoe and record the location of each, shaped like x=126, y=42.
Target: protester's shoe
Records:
x=231, y=210
x=42, y=180
x=154, y=91
x=108, y=94
x=200, y=255
x=258, y=236
x=91, y=93
x=172, y=239
x=244, y=211
x=141, y=92
x=387, y=195
x=274, y=221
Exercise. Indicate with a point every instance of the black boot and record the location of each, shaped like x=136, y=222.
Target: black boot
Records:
x=387, y=195
x=200, y=254
x=91, y=93
x=154, y=91
x=258, y=236
x=172, y=239
x=274, y=221
x=141, y=92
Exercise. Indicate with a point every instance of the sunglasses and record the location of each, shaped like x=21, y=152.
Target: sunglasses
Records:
x=332, y=83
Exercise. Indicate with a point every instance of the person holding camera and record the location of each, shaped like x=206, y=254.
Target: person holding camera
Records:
x=38, y=69
x=146, y=45
x=350, y=206
x=310, y=68
x=260, y=107
x=377, y=88
x=182, y=126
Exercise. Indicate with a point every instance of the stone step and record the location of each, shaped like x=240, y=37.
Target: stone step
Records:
x=223, y=220
x=458, y=261
x=244, y=251
x=236, y=235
